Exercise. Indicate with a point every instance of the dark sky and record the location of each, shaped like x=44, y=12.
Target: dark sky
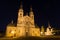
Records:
x=44, y=11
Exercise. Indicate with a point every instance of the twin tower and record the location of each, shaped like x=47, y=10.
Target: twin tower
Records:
x=25, y=25
x=23, y=20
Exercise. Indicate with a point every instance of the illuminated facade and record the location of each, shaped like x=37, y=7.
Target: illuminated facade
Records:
x=25, y=25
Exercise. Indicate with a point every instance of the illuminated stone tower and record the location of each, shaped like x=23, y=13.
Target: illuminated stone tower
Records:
x=20, y=16
x=31, y=14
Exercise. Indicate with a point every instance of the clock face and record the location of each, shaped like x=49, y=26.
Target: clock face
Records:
x=20, y=14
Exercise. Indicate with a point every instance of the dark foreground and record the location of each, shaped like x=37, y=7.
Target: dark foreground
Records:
x=34, y=38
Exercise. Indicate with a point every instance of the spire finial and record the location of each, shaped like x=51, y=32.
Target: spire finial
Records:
x=12, y=21
x=49, y=25
x=31, y=8
x=31, y=11
x=21, y=6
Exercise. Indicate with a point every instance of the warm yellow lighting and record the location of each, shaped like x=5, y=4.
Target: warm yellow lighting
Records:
x=26, y=26
x=41, y=32
x=54, y=33
x=12, y=32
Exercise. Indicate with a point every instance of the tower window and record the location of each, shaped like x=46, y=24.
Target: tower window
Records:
x=20, y=14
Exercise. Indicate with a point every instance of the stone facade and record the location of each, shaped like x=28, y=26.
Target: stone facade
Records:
x=25, y=25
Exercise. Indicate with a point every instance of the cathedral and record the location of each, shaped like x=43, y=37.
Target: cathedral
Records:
x=25, y=26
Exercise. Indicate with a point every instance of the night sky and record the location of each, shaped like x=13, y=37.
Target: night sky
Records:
x=44, y=11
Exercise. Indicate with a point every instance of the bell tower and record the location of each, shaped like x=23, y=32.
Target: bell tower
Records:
x=31, y=14
x=20, y=16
